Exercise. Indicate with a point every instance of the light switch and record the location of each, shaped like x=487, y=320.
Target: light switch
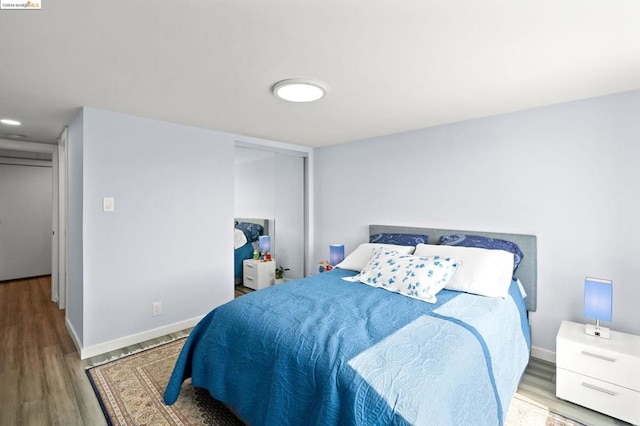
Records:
x=108, y=204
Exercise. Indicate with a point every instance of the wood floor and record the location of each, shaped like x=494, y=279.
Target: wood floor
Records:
x=43, y=381
x=41, y=375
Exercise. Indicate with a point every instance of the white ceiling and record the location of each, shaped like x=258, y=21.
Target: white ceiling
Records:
x=391, y=65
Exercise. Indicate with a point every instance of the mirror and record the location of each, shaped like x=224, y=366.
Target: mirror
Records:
x=246, y=235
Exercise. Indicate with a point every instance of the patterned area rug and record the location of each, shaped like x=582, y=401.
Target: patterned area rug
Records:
x=130, y=392
x=524, y=411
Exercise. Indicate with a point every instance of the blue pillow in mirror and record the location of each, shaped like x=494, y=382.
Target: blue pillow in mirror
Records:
x=251, y=230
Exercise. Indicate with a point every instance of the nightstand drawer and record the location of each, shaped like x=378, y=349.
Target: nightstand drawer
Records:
x=616, y=401
x=250, y=281
x=599, y=363
x=257, y=274
x=250, y=269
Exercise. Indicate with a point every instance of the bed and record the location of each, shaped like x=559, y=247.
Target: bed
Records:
x=246, y=233
x=330, y=350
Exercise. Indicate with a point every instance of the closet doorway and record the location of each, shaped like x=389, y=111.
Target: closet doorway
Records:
x=25, y=216
x=271, y=183
x=54, y=155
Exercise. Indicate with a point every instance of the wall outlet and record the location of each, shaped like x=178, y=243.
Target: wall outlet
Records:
x=156, y=309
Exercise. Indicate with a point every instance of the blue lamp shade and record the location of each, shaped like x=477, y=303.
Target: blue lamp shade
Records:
x=598, y=299
x=336, y=254
x=264, y=243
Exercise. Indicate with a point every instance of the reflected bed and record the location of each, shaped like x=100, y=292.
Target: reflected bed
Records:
x=246, y=233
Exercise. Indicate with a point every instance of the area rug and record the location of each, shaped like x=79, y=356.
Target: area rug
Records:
x=524, y=411
x=130, y=392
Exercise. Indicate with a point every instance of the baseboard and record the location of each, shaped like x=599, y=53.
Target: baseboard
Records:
x=88, y=352
x=73, y=334
x=133, y=339
x=543, y=354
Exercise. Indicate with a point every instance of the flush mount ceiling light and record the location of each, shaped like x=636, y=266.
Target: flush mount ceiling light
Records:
x=10, y=122
x=300, y=90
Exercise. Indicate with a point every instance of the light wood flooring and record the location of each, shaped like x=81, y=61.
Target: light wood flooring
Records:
x=241, y=290
x=43, y=380
x=41, y=375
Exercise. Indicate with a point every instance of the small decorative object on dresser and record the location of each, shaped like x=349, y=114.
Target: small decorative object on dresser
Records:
x=258, y=274
x=324, y=266
x=600, y=374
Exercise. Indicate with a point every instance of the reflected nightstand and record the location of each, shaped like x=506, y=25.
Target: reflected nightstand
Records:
x=257, y=274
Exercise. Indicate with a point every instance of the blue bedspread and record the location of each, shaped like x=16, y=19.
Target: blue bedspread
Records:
x=326, y=351
x=239, y=255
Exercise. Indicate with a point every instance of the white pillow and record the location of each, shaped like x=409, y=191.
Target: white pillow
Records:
x=483, y=271
x=357, y=260
x=523, y=292
x=417, y=277
x=239, y=239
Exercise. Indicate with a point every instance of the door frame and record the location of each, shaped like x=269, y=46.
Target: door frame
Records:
x=59, y=237
x=307, y=155
x=58, y=207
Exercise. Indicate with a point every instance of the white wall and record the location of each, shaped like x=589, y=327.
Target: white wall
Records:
x=289, y=196
x=75, y=289
x=170, y=235
x=25, y=219
x=567, y=173
x=255, y=183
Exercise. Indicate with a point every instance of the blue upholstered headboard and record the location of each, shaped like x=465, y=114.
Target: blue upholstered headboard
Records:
x=267, y=224
x=527, y=272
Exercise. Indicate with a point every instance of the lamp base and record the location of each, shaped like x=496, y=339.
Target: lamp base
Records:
x=594, y=330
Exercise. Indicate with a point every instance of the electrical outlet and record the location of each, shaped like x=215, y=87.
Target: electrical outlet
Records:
x=156, y=309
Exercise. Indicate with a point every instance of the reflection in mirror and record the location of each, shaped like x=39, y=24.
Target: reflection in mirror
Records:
x=246, y=235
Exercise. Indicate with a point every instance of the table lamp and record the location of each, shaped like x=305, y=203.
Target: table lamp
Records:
x=264, y=244
x=598, y=304
x=336, y=254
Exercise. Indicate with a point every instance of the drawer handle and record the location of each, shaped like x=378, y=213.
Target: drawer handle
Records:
x=599, y=389
x=248, y=265
x=249, y=278
x=602, y=357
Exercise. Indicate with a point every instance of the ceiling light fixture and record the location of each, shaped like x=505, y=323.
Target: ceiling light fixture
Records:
x=300, y=90
x=10, y=122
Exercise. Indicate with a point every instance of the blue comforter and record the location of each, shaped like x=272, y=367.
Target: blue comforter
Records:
x=239, y=255
x=325, y=351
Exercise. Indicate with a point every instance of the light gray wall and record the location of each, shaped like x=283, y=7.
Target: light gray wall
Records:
x=289, y=196
x=25, y=220
x=567, y=173
x=75, y=290
x=255, y=183
x=169, y=237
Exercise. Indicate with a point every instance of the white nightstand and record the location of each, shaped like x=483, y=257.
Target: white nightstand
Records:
x=257, y=274
x=600, y=374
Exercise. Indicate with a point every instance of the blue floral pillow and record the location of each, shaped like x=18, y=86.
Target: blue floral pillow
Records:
x=485, y=242
x=417, y=277
x=399, y=239
x=251, y=230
